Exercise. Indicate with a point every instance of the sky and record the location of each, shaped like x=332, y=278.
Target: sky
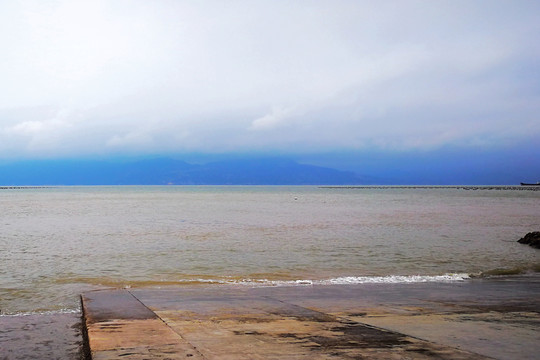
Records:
x=108, y=78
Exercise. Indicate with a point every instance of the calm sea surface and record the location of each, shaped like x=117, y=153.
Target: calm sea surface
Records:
x=57, y=242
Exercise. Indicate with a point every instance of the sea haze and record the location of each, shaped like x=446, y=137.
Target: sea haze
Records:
x=448, y=166
x=166, y=171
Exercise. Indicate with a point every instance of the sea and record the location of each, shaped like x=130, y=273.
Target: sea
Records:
x=57, y=242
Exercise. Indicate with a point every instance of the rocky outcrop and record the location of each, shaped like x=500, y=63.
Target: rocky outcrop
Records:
x=532, y=239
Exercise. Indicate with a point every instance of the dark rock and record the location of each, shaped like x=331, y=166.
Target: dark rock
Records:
x=532, y=239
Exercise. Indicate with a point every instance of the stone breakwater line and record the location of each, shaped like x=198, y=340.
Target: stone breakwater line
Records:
x=23, y=187
x=500, y=187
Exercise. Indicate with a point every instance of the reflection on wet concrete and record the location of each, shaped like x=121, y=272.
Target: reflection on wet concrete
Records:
x=496, y=318
x=51, y=336
x=466, y=320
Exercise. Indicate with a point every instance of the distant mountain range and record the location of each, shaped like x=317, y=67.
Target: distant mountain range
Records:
x=164, y=171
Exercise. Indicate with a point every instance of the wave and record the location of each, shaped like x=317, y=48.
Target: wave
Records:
x=261, y=282
x=352, y=280
x=79, y=285
x=507, y=271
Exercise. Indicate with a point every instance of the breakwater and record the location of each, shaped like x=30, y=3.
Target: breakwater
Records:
x=23, y=187
x=460, y=187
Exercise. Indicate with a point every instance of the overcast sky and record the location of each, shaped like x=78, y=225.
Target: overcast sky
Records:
x=85, y=78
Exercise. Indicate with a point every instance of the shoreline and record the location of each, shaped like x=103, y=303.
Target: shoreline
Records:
x=499, y=274
x=494, y=318
x=498, y=317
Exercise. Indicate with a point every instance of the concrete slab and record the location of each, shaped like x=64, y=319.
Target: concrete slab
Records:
x=113, y=305
x=119, y=326
x=511, y=335
x=325, y=322
x=475, y=319
x=43, y=336
x=301, y=338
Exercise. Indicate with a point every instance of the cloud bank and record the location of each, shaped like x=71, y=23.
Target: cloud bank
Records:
x=145, y=77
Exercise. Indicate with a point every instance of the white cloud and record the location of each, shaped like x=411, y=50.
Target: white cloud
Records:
x=131, y=139
x=58, y=122
x=202, y=76
x=271, y=120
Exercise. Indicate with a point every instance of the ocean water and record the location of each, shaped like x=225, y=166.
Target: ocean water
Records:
x=58, y=242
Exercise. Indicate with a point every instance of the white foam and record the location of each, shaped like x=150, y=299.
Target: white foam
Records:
x=396, y=279
x=350, y=280
x=44, y=312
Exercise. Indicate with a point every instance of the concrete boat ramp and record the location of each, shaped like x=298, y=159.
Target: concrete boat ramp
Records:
x=470, y=320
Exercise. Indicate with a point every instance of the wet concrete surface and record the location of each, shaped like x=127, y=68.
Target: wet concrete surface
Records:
x=513, y=335
x=52, y=336
x=118, y=304
x=494, y=318
x=468, y=320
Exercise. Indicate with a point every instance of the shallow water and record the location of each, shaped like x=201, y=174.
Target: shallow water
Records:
x=57, y=242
